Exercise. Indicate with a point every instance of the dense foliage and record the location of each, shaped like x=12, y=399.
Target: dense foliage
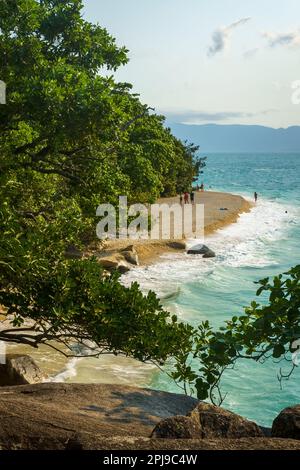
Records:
x=71, y=138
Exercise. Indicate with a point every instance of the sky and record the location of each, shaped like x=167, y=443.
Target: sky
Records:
x=209, y=61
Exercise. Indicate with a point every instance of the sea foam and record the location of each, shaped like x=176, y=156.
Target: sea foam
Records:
x=247, y=243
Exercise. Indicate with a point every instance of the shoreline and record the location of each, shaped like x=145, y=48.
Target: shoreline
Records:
x=150, y=251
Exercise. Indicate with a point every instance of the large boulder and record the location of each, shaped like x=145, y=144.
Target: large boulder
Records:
x=131, y=257
x=109, y=263
x=73, y=253
x=20, y=370
x=198, y=250
x=218, y=422
x=50, y=415
x=201, y=250
x=123, y=267
x=82, y=441
x=209, y=254
x=114, y=263
x=177, y=427
x=287, y=423
x=177, y=245
x=207, y=422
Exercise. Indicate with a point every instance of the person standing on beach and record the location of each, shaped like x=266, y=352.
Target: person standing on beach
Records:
x=181, y=199
x=202, y=187
x=192, y=197
x=186, y=198
x=255, y=196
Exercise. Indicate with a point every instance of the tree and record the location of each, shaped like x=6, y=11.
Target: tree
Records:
x=71, y=137
x=263, y=332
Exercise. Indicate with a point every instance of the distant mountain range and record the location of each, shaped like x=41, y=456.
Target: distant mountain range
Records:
x=239, y=138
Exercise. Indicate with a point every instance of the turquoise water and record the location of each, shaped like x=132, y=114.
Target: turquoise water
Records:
x=263, y=243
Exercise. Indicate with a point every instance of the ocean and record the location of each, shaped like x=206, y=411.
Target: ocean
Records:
x=264, y=242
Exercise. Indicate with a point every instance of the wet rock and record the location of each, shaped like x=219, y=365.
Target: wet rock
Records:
x=198, y=250
x=209, y=254
x=123, y=267
x=62, y=416
x=114, y=263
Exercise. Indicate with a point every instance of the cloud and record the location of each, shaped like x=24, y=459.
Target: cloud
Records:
x=251, y=53
x=290, y=39
x=194, y=117
x=221, y=37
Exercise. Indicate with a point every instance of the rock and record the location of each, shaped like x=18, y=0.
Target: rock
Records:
x=178, y=427
x=20, y=370
x=177, y=245
x=75, y=443
x=123, y=267
x=215, y=422
x=207, y=422
x=267, y=432
x=287, y=423
x=198, y=250
x=127, y=443
x=74, y=416
x=129, y=248
x=131, y=257
x=73, y=253
x=209, y=254
x=114, y=263
x=60, y=416
x=109, y=263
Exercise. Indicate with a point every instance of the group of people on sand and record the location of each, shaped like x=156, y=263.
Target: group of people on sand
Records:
x=189, y=197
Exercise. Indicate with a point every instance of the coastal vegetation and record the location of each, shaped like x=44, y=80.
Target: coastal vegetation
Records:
x=266, y=331
x=71, y=138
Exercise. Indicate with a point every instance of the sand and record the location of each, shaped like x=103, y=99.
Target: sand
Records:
x=150, y=251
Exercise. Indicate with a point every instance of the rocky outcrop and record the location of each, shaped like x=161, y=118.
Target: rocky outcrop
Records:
x=105, y=417
x=20, y=370
x=48, y=416
x=121, y=261
x=73, y=253
x=209, y=254
x=287, y=423
x=201, y=250
x=207, y=422
x=131, y=255
x=177, y=245
x=114, y=263
x=216, y=422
